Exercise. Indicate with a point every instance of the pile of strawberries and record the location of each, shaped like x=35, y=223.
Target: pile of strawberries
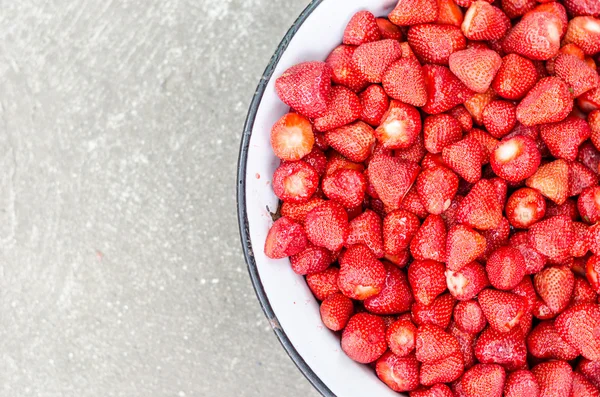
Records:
x=439, y=186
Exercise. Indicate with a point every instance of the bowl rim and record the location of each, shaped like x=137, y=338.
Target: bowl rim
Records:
x=241, y=205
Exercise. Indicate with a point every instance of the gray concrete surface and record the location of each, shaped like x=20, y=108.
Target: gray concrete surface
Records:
x=120, y=267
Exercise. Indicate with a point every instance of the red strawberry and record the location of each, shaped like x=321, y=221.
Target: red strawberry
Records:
x=549, y=101
x=439, y=390
x=367, y=229
x=589, y=101
x=433, y=344
x=323, y=284
x=444, y=89
x=336, y=161
x=503, y=310
x=400, y=260
x=392, y=178
x=305, y=88
x=487, y=142
x=476, y=68
x=480, y=209
x=589, y=156
x=506, y=268
x=484, y=380
x=412, y=203
x=430, y=240
x=580, y=327
x=427, y=280
x=317, y=159
x=517, y=8
x=438, y=313
x=354, y=141
x=361, y=274
x=449, y=215
x=450, y=13
x=515, y=78
x=439, y=131
x=525, y=207
x=583, y=291
x=372, y=59
x=496, y=238
x=292, y=137
x=343, y=70
x=469, y=317
x=436, y=187
x=552, y=237
x=593, y=272
x=552, y=180
x=584, y=32
x=362, y=28
x=435, y=43
x=414, y=153
x=444, y=371
x=295, y=182
x=297, y=212
x=345, y=186
x=555, y=286
x=285, y=238
x=432, y=161
x=536, y=36
x=400, y=126
x=327, y=226
x=582, y=7
x=465, y=157
x=343, y=108
x=591, y=370
x=401, y=374
x=507, y=349
x=485, y=22
x=563, y=138
x=556, y=9
x=404, y=80
x=399, y=227
x=568, y=208
x=311, y=260
x=468, y=282
x=521, y=383
x=516, y=158
x=463, y=245
x=477, y=103
x=388, y=30
x=395, y=297
x=466, y=342
x=580, y=178
x=462, y=115
x=583, y=387
x=594, y=122
x=576, y=73
x=499, y=118
x=363, y=339
x=400, y=337
x=375, y=103
x=336, y=310
x=588, y=204
x=413, y=12
x=555, y=378
x=544, y=341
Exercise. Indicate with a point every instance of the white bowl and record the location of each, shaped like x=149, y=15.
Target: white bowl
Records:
x=286, y=299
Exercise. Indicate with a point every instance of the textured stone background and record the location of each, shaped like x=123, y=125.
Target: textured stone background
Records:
x=120, y=267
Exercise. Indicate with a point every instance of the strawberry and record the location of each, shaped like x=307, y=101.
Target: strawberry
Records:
x=317, y=159
x=484, y=380
x=507, y=349
x=444, y=89
x=367, y=229
x=345, y=186
x=469, y=317
x=465, y=157
x=496, y=238
x=395, y=297
x=499, y=118
x=450, y=13
x=311, y=260
x=336, y=162
x=401, y=374
x=549, y=101
x=439, y=390
x=515, y=78
x=536, y=36
x=297, y=212
x=343, y=70
x=413, y=12
x=477, y=103
x=375, y=103
x=361, y=29
x=593, y=272
x=555, y=378
x=323, y=284
x=431, y=161
x=462, y=115
x=555, y=286
x=444, y=371
x=580, y=327
x=583, y=387
x=544, y=341
x=361, y=274
x=589, y=156
x=436, y=187
x=468, y=282
x=563, y=138
x=412, y=203
x=480, y=209
x=439, y=131
x=580, y=178
x=336, y=310
x=400, y=337
x=591, y=370
x=435, y=43
x=438, y=313
x=556, y=9
x=483, y=21
x=343, y=108
x=517, y=8
x=292, y=137
x=392, y=178
x=516, y=158
x=584, y=32
x=463, y=245
x=552, y=181
x=525, y=207
x=430, y=240
x=388, y=30
x=404, y=80
x=414, y=153
x=285, y=238
x=583, y=291
x=400, y=126
x=449, y=215
x=487, y=142
x=320, y=141
x=354, y=141
x=506, y=268
x=594, y=123
x=476, y=68
x=502, y=310
x=426, y=278
x=433, y=344
x=588, y=204
x=363, y=339
x=399, y=227
x=372, y=59
x=582, y=7
x=521, y=383
x=466, y=343
x=295, y=182
x=327, y=226
x=552, y=237
x=589, y=101
x=305, y=88
x=576, y=73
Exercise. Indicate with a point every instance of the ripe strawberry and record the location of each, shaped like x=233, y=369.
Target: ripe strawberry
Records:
x=436, y=187
x=444, y=371
x=584, y=32
x=525, y=207
x=444, y=90
x=469, y=317
x=588, y=204
x=295, y=182
x=317, y=159
x=440, y=131
x=503, y=310
x=400, y=337
x=449, y=215
x=323, y=284
x=534, y=261
x=594, y=122
x=375, y=103
x=544, y=341
x=401, y=374
x=468, y=282
x=517, y=8
x=499, y=118
x=450, y=13
x=504, y=348
x=430, y=240
x=589, y=101
x=556, y=9
x=591, y=370
x=435, y=43
x=363, y=339
x=361, y=274
x=466, y=343
x=372, y=59
x=400, y=260
x=343, y=70
x=585, y=7
x=583, y=291
x=552, y=180
x=367, y=229
x=285, y=238
x=413, y=12
x=487, y=142
x=292, y=137
x=552, y=237
x=580, y=327
x=354, y=141
x=305, y=88
x=327, y=226
x=536, y=36
x=583, y=387
x=476, y=68
x=485, y=22
x=580, y=178
x=477, y=103
x=404, y=80
x=480, y=209
x=555, y=378
x=438, y=313
x=439, y=390
x=463, y=245
x=400, y=126
x=484, y=380
x=412, y=203
x=465, y=157
x=521, y=383
x=361, y=29
x=563, y=138
x=555, y=286
x=593, y=272
x=433, y=344
x=336, y=310
x=549, y=101
x=576, y=73
x=392, y=178
x=462, y=115
x=395, y=297
x=515, y=78
x=496, y=238
x=297, y=212
x=345, y=186
x=399, y=227
x=336, y=162
x=311, y=260
x=388, y=30
x=516, y=158
x=414, y=153
x=589, y=156
x=426, y=278
x=343, y=108
x=506, y=268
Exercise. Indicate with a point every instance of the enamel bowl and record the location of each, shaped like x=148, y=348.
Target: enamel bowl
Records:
x=285, y=298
